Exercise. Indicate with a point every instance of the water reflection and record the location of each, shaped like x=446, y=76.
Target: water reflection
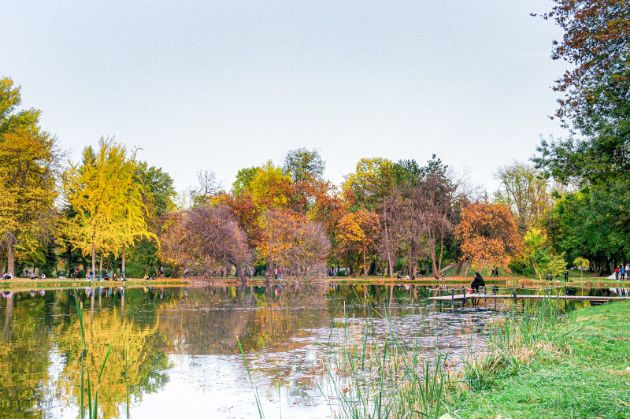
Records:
x=175, y=350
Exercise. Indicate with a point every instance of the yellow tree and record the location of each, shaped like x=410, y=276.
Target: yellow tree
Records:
x=270, y=187
x=105, y=196
x=27, y=181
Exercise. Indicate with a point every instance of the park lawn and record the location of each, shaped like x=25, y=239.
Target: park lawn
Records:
x=592, y=380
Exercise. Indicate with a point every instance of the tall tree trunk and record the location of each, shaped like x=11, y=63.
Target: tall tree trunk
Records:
x=100, y=264
x=390, y=267
x=11, y=258
x=460, y=265
x=122, y=263
x=441, y=251
x=93, y=260
x=68, y=267
x=434, y=267
x=365, y=270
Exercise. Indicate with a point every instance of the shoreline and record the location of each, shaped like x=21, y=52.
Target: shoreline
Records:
x=26, y=284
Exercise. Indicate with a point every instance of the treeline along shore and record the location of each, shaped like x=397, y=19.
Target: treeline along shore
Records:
x=110, y=214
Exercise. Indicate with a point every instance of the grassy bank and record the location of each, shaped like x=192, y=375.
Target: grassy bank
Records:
x=576, y=368
x=536, y=364
x=18, y=284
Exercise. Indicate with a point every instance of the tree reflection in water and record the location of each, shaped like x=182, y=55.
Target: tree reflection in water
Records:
x=157, y=332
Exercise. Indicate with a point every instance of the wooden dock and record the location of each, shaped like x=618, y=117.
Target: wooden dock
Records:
x=516, y=297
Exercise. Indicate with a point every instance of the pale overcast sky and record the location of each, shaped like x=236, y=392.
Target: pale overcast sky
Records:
x=222, y=85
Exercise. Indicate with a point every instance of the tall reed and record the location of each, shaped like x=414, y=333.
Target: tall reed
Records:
x=382, y=378
x=261, y=413
x=514, y=341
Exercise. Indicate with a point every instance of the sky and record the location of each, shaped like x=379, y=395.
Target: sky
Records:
x=221, y=85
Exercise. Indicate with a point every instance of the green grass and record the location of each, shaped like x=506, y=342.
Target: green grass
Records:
x=587, y=375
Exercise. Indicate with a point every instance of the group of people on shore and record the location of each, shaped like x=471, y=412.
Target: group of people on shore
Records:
x=621, y=271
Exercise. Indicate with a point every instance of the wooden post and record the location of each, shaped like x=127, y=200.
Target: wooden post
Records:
x=514, y=296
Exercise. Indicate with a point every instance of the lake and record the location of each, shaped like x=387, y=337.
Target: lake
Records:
x=175, y=351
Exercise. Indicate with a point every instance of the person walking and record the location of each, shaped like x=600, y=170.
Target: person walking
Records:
x=622, y=272
x=566, y=275
x=616, y=273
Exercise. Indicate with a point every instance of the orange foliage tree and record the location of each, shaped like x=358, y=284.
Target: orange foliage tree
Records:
x=357, y=235
x=296, y=245
x=488, y=235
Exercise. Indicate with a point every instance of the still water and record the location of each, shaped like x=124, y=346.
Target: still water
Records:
x=175, y=351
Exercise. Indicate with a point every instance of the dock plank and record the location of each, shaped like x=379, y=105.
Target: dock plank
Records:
x=460, y=297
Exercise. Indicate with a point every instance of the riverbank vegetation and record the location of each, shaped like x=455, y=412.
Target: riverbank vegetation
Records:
x=535, y=364
x=111, y=213
x=577, y=368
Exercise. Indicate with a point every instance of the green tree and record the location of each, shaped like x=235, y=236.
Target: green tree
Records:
x=158, y=196
x=243, y=180
x=525, y=192
x=303, y=164
x=593, y=222
x=593, y=219
x=371, y=181
x=541, y=255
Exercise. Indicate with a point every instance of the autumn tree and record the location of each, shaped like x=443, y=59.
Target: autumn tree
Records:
x=436, y=195
x=581, y=264
x=406, y=229
x=595, y=87
x=488, y=234
x=270, y=187
x=297, y=246
x=107, y=199
x=204, y=239
x=28, y=160
x=367, y=188
x=419, y=213
x=358, y=233
x=207, y=187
